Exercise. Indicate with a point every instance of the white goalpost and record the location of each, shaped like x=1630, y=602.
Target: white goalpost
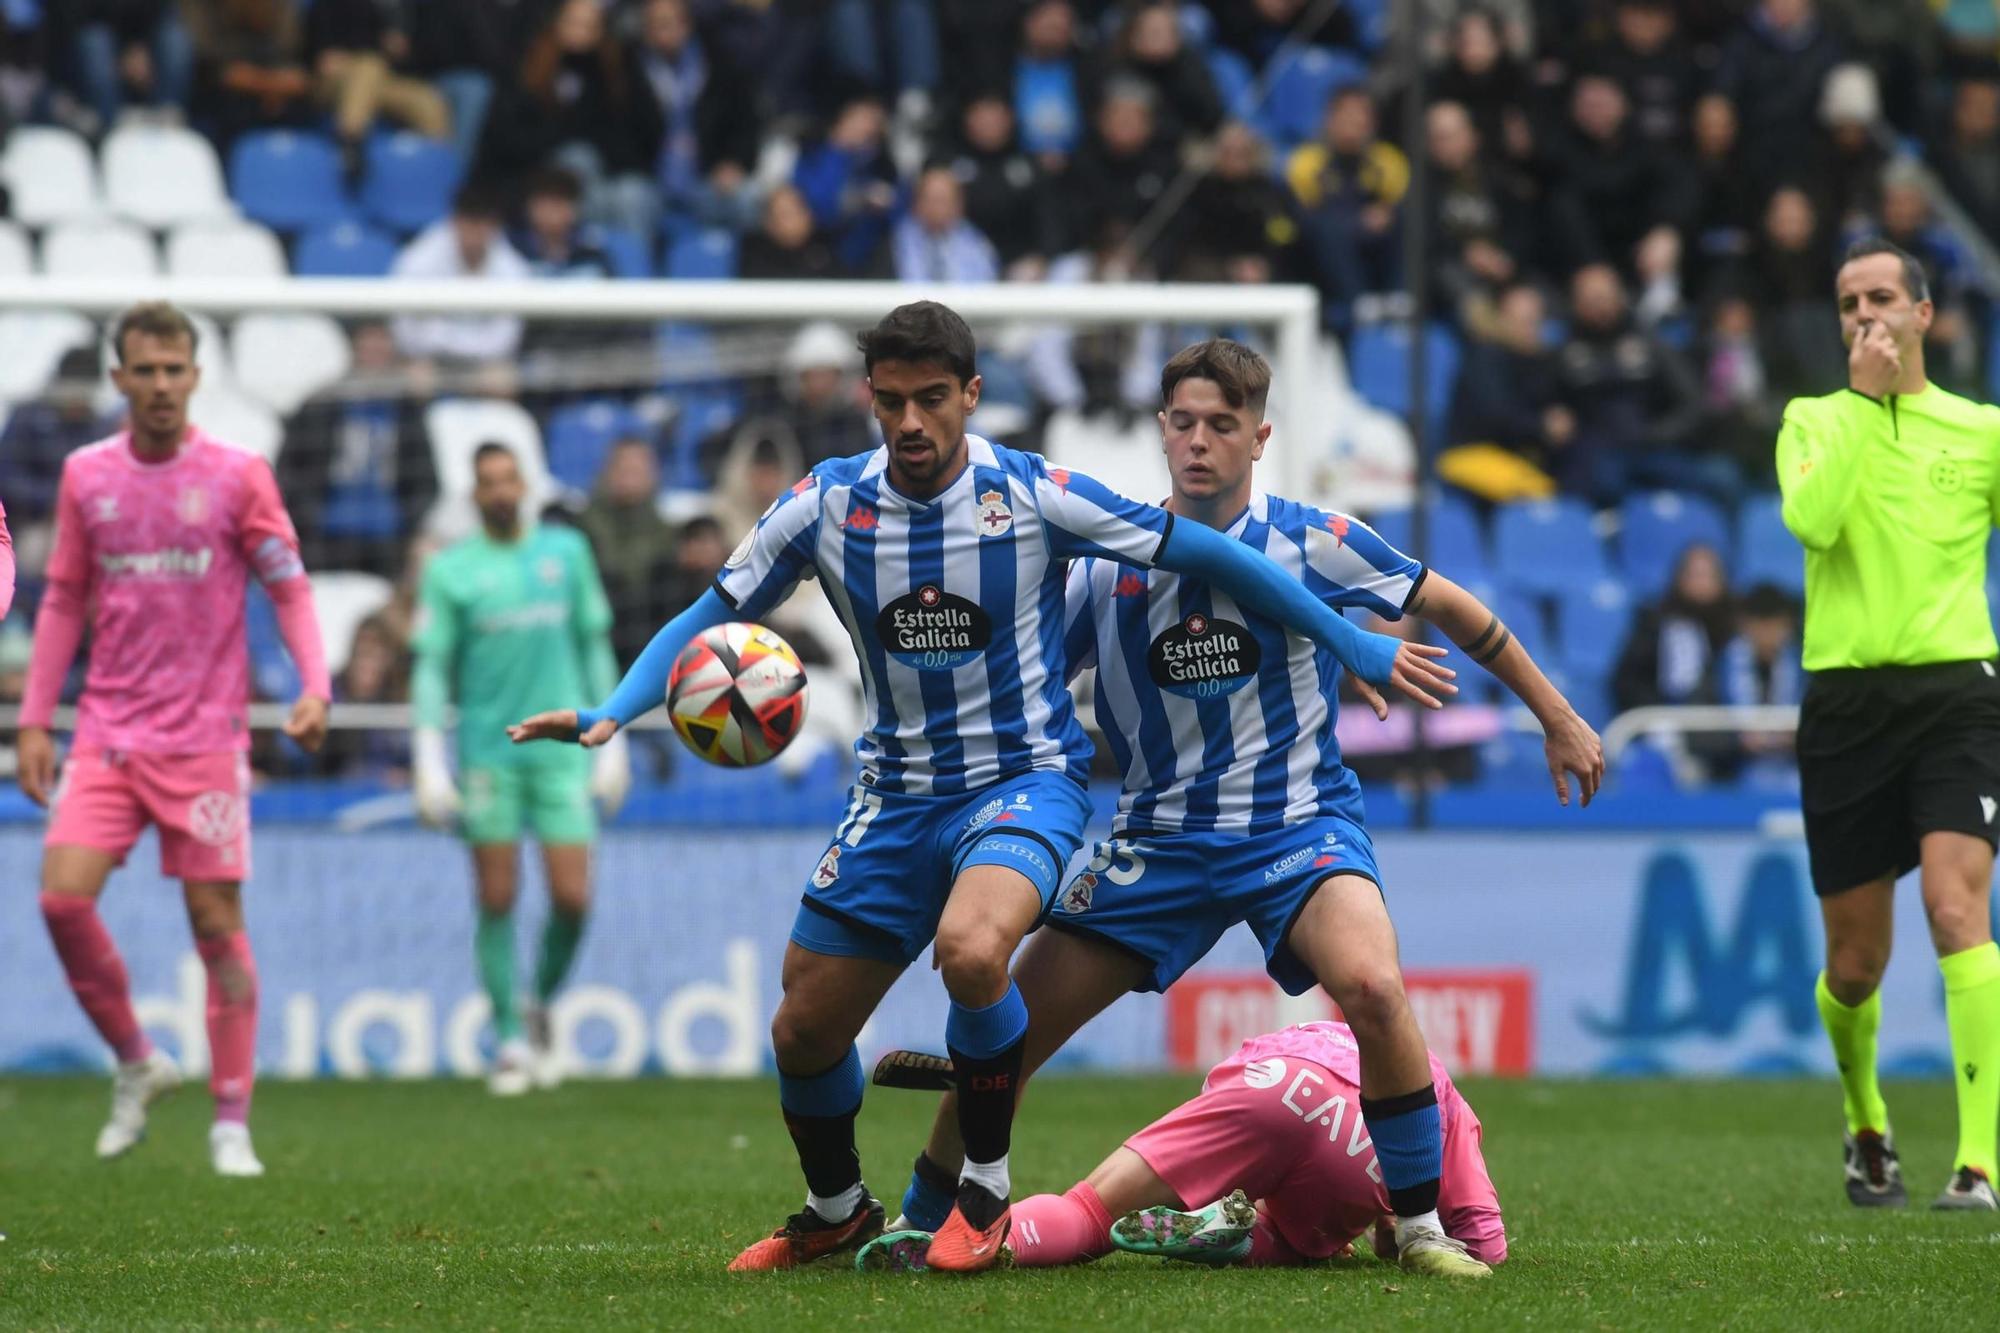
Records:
x=1289, y=315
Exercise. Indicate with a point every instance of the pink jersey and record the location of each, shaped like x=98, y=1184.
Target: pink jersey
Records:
x=1281, y=1118
x=6, y=565
x=161, y=554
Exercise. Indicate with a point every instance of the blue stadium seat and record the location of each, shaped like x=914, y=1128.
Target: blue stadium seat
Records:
x=1235, y=81
x=344, y=250
x=1456, y=541
x=1591, y=624
x=287, y=180
x=1303, y=78
x=710, y=253
x=1547, y=546
x=701, y=413
x=1766, y=551
x=580, y=435
x=628, y=254
x=1378, y=362
x=409, y=180
x=1656, y=527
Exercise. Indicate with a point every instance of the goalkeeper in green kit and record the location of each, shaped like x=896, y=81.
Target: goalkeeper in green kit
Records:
x=511, y=622
x=1892, y=485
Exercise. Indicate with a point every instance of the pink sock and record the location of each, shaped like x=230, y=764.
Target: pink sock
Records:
x=232, y=1022
x=1268, y=1249
x=96, y=972
x=1052, y=1229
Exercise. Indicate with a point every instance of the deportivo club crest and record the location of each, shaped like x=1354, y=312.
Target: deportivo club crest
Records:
x=829, y=868
x=1077, y=900
x=995, y=518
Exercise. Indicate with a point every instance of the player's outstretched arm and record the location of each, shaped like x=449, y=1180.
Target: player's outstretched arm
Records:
x=1260, y=584
x=644, y=686
x=1571, y=745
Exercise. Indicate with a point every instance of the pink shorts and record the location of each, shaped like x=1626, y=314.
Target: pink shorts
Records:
x=199, y=802
x=1283, y=1130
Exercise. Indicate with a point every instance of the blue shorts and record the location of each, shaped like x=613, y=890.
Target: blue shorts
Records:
x=881, y=885
x=1169, y=897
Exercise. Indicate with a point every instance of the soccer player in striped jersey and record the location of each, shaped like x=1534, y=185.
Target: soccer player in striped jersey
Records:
x=944, y=555
x=1236, y=806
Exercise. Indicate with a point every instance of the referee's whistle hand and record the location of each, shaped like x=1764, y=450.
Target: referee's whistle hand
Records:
x=1874, y=364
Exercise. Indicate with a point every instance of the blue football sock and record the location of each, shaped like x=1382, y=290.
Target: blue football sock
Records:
x=1409, y=1145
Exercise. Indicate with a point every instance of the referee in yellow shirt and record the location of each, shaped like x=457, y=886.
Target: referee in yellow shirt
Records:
x=1892, y=486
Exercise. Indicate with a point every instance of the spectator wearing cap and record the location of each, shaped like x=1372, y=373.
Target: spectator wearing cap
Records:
x=934, y=243
x=1007, y=194
x=712, y=131
x=1847, y=161
x=470, y=245
x=1773, y=68
x=825, y=401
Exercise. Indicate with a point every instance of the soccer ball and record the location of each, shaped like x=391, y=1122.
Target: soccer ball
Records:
x=737, y=695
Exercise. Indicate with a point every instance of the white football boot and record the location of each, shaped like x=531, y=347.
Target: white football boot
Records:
x=229, y=1150
x=135, y=1087
x=512, y=1073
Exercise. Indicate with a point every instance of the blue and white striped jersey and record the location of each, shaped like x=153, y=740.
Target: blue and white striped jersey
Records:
x=955, y=605
x=1222, y=719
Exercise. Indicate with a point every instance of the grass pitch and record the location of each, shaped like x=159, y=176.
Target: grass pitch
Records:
x=1629, y=1205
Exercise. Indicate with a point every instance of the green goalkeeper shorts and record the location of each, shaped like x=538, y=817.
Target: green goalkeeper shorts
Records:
x=548, y=796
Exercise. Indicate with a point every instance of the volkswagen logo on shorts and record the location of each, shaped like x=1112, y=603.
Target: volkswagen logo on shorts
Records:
x=216, y=818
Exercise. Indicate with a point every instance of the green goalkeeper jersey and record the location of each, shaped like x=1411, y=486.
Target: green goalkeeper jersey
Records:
x=509, y=630
x=1893, y=500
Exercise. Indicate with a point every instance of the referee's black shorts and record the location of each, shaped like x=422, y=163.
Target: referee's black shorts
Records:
x=1888, y=754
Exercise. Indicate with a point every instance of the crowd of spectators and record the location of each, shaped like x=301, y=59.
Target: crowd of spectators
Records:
x=1633, y=215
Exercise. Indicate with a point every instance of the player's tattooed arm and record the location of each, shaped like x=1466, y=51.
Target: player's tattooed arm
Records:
x=1573, y=747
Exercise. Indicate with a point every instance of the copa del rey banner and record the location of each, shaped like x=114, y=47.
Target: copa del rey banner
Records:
x=1578, y=954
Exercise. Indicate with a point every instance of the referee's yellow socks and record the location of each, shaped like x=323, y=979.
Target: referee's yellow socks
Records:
x=1972, y=1010
x=1852, y=1032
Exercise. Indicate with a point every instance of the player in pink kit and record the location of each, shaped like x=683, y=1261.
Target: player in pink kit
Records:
x=158, y=532
x=1278, y=1122
x=6, y=565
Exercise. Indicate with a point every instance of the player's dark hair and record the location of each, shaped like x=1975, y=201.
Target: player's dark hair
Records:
x=922, y=333
x=1239, y=372
x=1914, y=281
x=155, y=319
x=494, y=449
x=701, y=525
